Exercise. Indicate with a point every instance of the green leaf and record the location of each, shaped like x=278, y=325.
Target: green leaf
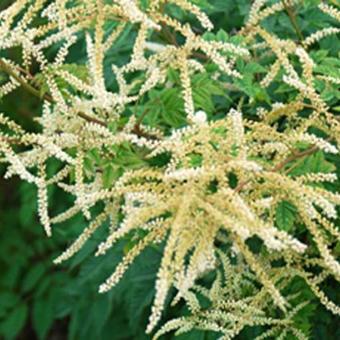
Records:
x=172, y=107
x=33, y=276
x=15, y=321
x=8, y=299
x=195, y=160
x=100, y=312
x=285, y=215
x=254, y=68
x=192, y=335
x=313, y=164
x=204, y=4
x=128, y=157
x=222, y=35
x=76, y=322
x=80, y=71
x=337, y=249
x=204, y=89
x=110, y=174
x=42, y=317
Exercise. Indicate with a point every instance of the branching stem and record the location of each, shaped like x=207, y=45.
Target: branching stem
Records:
x=5, y=67
x=292, y=18
x=282, y=164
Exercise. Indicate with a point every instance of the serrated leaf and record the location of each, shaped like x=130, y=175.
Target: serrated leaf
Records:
x=254, y=68
x=7, y=300
x=285, y=215
x=101, y=310
x=222, y=35
x=42, y=318
x=337, y=249
x=33, y=276
x=127, y=157
x=196, y=160
x=171, y=107
x=80, y=71
x=14, y=322
x=203, y=90
x=313, y=164
x=110, y=174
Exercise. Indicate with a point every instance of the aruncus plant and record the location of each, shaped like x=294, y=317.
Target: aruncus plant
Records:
x=202, y=187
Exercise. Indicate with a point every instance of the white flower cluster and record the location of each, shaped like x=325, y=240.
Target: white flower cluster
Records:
x=200, y=117
x=320, y=142
x=185, y=174
x=223, y=176
x=317, y=36
x=330, y=10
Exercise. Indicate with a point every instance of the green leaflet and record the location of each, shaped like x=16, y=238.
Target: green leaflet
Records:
x=15, y=321
x=43, y=316
x=312, y=164
x=285, y=216
x=33, y=276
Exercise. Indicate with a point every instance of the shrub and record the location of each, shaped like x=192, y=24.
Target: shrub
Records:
x=217, y=149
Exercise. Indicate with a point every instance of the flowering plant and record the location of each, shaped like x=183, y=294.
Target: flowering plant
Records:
x=219, y=149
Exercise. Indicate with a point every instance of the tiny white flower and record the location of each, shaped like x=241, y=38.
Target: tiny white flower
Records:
x=200, y=117
x=155, y=47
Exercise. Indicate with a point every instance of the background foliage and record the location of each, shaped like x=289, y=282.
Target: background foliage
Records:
x=41, y=301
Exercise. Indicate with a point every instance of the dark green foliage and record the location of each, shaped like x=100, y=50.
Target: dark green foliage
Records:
x=38, y=299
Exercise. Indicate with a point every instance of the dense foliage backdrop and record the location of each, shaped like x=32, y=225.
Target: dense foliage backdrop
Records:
x=39, y=300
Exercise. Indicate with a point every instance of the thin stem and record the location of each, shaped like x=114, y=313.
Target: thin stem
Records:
x=292, y=158
x=8, y=69
x=141, y=117
x=282, y=164
x=292, y=19
x=137, y=128
x=5, y=67
x=35, y=92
